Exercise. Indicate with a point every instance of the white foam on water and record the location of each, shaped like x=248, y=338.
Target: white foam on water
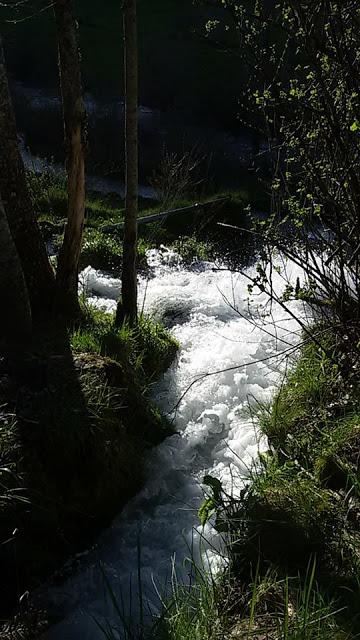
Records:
x=215, y=434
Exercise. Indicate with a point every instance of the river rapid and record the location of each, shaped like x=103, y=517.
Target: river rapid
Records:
x=207, y=308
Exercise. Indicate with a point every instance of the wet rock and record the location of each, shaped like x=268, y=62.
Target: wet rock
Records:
x=170, y=313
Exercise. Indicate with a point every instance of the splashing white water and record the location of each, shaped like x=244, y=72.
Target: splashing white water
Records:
x=209, y=313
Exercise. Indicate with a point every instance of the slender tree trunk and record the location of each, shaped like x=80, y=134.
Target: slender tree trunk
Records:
x=127, y=308
x=74, y=125
x=24, y=229
x=15, y=316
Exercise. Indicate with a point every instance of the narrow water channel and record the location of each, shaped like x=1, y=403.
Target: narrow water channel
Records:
x=207, y=308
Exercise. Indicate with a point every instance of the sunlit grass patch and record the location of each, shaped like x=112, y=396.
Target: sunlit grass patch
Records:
x=149, y=347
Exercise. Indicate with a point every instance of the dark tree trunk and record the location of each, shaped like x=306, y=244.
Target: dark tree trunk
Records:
x=127, y=308
x=74, y=125
x=24, y=229
x=15, y=316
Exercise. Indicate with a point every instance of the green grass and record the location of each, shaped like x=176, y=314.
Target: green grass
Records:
x=192, y=613
x=104, y=251
x=315, y=416
x=195, y=236
x=304, y=397
x=48, y=192
x=270, y=607
x=148, y=347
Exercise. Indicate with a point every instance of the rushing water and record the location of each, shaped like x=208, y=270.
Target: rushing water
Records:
x=208, y=312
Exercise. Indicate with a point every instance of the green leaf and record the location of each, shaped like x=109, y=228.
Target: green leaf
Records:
x=354, y=126
x=206, y=510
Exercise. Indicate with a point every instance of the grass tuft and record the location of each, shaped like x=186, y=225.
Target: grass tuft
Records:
x=148, y=347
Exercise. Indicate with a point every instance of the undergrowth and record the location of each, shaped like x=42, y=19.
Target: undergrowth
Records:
x=105, y=252
x=268, y=608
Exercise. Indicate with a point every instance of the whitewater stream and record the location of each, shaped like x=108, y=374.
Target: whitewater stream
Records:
x=207, y=309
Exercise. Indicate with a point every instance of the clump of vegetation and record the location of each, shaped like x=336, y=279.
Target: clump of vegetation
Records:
x=105, y=252
x=148, y=346
x=192, y=613
x=269, y=606
x=101, y=252
x=315, y=413
x=191, y=249
x=48, y=193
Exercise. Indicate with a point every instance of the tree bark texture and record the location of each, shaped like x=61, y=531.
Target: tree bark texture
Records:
x=74, y=129
x=127, y=308
x=15, y=316
x=18, y=207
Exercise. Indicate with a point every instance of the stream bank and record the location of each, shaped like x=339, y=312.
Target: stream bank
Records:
x=215, y=434
x=293, y=536
x=76, y=425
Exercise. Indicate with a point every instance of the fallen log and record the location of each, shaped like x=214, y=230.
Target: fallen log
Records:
x=197, y=207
